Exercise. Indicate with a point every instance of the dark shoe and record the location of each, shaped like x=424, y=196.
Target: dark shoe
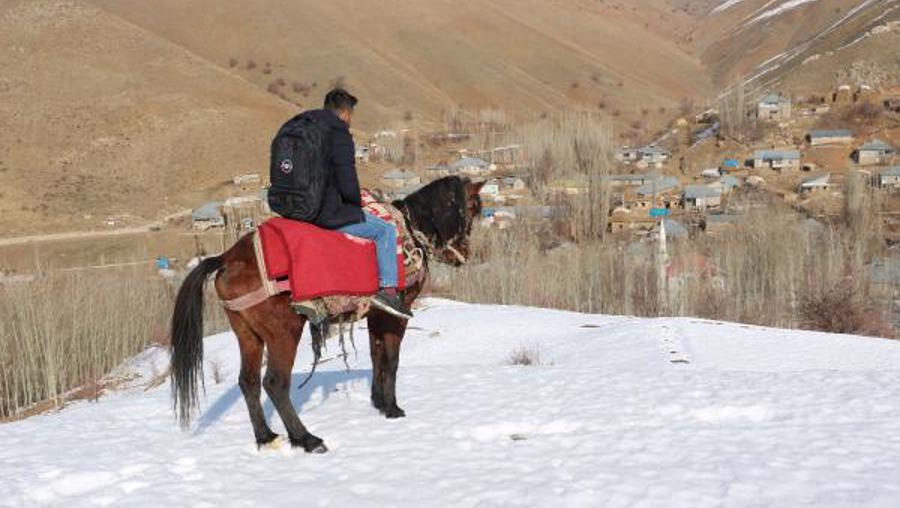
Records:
x=392, y=305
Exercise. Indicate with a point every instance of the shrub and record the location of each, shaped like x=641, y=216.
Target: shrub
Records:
x=250, y=65
x=525, y=356
x=66, y=331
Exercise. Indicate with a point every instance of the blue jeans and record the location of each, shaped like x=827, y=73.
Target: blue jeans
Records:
x=384, y=234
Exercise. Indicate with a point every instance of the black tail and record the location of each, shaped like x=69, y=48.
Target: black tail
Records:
x=187, y=340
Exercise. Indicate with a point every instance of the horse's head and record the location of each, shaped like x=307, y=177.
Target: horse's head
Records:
x=443, y=213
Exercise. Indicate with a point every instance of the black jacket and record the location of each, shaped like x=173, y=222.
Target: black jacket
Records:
x=341, y=203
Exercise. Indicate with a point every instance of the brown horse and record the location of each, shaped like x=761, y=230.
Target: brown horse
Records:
x=440, y=216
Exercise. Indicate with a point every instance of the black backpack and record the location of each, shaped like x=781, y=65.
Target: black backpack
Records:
x=297, y=168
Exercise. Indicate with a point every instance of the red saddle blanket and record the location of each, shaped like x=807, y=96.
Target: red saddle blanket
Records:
x=319, y=262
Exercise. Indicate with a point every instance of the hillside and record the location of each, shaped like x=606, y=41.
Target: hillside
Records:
x=427, y=57
x=810, y=43
x=621, y=411
x=101, y=118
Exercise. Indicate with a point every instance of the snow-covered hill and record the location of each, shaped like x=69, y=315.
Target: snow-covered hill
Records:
x=622, y=412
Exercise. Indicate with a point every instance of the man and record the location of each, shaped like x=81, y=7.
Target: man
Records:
x=341, y=207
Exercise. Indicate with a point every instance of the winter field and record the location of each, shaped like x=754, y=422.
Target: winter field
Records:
x=620, y=412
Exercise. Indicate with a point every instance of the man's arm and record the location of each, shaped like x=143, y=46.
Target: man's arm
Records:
x=343, y=157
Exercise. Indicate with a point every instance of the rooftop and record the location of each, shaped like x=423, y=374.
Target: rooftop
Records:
x=466, y=162
x=816, y=181
x=777, y=154
x=659, y=185
x=876, y=145
x=892, y=171
x=831, y=133
x=208, y=211
x=773, y=99
x=701, y=191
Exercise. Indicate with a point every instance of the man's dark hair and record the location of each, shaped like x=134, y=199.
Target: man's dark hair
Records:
x=339, y=99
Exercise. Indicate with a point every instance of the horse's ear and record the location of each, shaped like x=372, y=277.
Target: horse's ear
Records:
x=475, y=187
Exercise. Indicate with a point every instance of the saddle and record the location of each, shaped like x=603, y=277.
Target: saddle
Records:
x=330, y=275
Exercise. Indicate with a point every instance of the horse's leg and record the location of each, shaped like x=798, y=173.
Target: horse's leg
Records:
x=249, y=380
x=282, y=349
x=376, y=351
x=385, y=335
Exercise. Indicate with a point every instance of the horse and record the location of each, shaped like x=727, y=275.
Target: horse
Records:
x=439, y=217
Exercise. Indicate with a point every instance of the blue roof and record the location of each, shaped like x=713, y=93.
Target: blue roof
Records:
x=661, y=185
x=777, y=154
x=831, y=133
x=731, y=163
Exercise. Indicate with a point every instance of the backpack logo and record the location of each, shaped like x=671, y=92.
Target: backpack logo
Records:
x=286, y=166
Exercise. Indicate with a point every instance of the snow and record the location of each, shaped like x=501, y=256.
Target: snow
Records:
x=727, y=4
x=622, y=411
x=781, y=9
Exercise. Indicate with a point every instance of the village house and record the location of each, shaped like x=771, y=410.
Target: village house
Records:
x=624, y=220
x=777, y=159
x=830, y=137
x=362, y=153
x=472, y=166
x=727, y=184
x=701, y=197
x=815, y=184
x=711, y=173
x=873, y=152
x=512, y=184
x=491, y=188
x=628, y=155
x=208, y=215
x=730, y=164
x=398, y=178
x=774, y=108
x=654, y=155
x=660, y=192
x=889, y=178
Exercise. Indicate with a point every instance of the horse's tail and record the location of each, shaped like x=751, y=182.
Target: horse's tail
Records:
x=187, y=340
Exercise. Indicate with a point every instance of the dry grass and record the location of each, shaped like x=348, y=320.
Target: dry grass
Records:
x=60, y=335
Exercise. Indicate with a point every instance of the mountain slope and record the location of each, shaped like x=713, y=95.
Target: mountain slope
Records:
x=100, y=118
x=524, y=57
x=770, y=41
x=621, y=411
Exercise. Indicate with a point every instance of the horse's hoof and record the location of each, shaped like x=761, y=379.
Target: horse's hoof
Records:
x=310, y=444
x=393, y=412
x=271, y=443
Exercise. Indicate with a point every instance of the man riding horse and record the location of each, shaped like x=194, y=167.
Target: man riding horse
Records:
x=341, y=207
x=438, y=219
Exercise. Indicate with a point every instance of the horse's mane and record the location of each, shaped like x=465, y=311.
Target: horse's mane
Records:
x=438, y=210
